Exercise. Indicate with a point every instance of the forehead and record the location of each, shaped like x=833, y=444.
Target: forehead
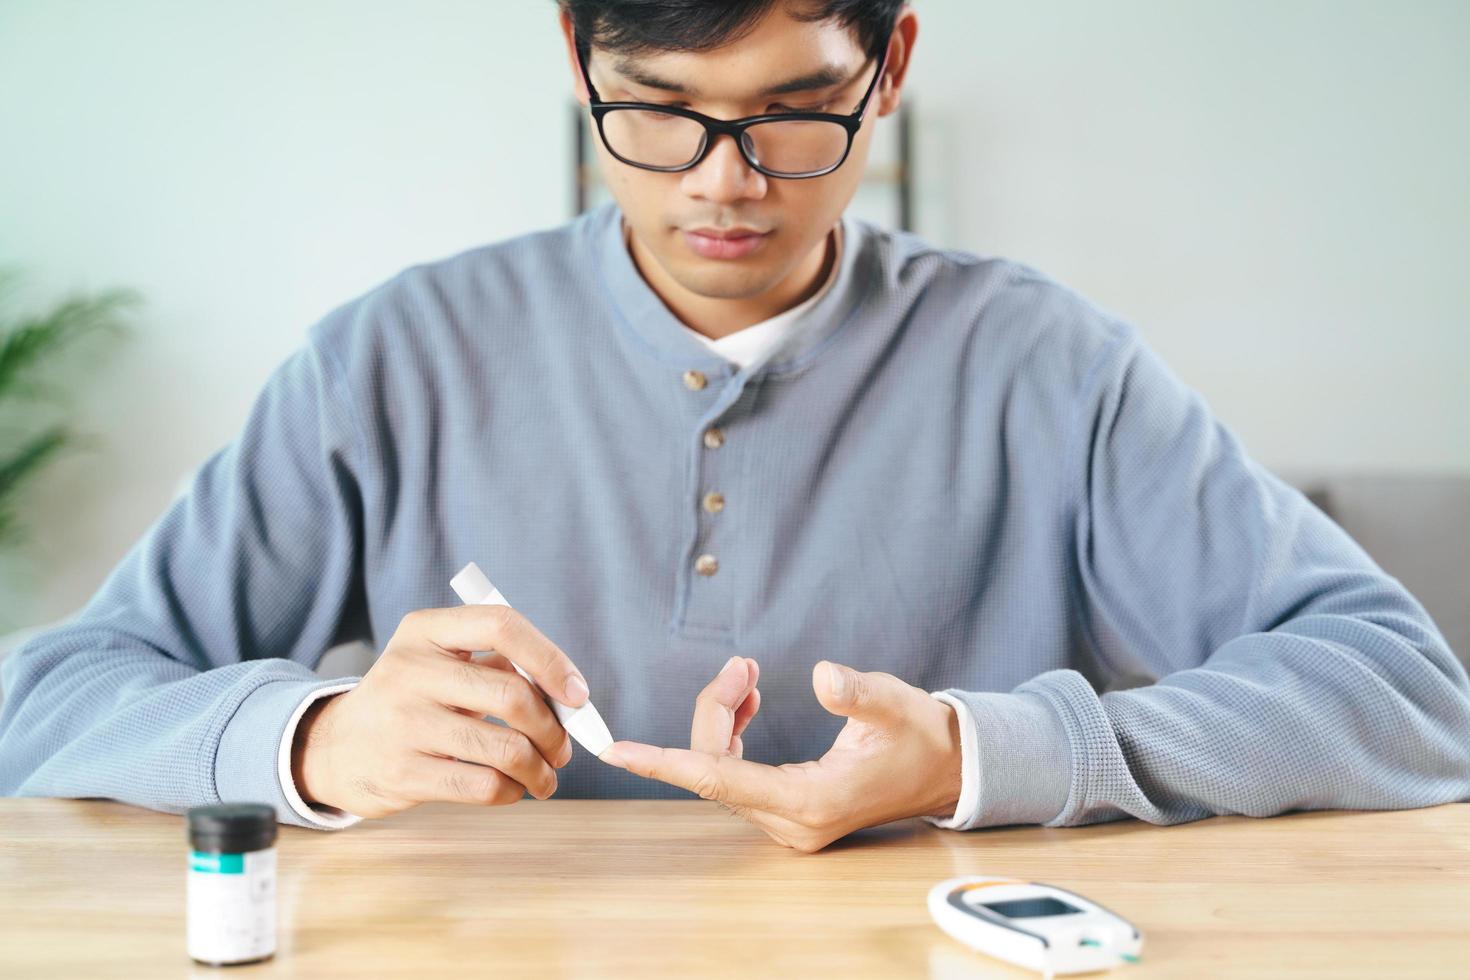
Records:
x=779, y=48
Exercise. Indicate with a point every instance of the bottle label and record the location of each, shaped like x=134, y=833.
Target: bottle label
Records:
x=232, y=906
x=224, y=864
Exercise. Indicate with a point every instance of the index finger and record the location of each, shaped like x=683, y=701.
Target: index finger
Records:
x=502, y=629
x=772, y=789
x=717, y=705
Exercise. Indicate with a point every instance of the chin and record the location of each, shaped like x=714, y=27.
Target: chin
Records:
x=725, y=282
x=727, y=278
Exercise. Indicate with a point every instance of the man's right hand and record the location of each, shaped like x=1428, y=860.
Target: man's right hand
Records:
x=412, y=731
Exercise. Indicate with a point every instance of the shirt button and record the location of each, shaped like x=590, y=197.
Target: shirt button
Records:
x=706, y=565
x=714, y=502
x=713, y=438
x=694, y=380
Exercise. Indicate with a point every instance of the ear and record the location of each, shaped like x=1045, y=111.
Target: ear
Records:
x=579, y=85
x=900, y=55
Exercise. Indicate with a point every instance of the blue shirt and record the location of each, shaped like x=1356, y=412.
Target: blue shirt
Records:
x=961, y=473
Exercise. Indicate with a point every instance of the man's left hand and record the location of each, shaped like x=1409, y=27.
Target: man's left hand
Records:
x=898, y=756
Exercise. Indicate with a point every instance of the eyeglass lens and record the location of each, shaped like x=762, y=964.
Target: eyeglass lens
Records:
x=661, y=139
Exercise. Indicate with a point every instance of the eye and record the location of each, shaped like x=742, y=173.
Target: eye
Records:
x=630, y=97
x=801, y=108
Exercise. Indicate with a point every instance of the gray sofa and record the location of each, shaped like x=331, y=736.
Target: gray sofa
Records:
x=1417, y=527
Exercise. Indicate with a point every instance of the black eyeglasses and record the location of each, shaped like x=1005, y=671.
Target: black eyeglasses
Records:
x=671, y=139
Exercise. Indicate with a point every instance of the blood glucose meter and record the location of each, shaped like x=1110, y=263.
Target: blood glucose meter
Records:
x=1033, y=925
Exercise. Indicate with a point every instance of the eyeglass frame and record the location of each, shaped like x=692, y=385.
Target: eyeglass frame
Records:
x=734, y=128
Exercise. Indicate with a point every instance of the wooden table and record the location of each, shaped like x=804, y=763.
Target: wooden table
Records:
x=625, y=888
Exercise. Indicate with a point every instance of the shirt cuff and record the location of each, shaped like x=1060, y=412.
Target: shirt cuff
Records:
x=1017, y=764
x=327, y=818
x=247, y=756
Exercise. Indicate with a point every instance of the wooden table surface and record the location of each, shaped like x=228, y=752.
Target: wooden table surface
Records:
x=635, y=888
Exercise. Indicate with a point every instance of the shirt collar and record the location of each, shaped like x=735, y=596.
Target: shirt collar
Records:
x=780, y=331
x=659, y=333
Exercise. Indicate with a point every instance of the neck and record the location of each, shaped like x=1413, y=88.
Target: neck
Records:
x=716, y=318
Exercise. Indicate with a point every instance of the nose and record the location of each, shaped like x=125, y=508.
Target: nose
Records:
x=723, y=176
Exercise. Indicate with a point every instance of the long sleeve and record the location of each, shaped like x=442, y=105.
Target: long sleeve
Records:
x=175, y=684
x=1289, y=671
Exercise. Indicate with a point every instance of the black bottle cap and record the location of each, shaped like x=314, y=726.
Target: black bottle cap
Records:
x=232, y=828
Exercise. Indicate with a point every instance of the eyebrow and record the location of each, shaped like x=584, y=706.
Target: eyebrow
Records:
x=823, y=77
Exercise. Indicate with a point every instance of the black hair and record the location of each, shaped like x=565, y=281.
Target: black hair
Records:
x=636, y=26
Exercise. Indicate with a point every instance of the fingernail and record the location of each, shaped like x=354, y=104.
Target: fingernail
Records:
x=576, y=691
x=613, y=756
x=835, y=680
x=728, y=664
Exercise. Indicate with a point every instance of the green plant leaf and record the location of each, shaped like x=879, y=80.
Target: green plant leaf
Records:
x=29, y=346
x=24, y=346
x=23, y=464
x=31, y=457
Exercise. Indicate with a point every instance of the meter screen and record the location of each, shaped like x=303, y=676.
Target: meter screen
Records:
x=1031, y=908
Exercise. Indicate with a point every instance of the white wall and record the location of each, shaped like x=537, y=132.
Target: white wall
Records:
x=1275, y=192
x=247, y=167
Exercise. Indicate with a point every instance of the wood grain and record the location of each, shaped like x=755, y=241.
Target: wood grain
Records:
x=664, y=888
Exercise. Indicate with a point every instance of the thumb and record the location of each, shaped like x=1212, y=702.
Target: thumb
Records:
x=872, y=696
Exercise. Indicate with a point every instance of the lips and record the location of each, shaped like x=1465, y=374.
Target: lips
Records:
x=724, y=243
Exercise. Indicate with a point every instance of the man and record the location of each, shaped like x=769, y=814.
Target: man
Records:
x=721, y=429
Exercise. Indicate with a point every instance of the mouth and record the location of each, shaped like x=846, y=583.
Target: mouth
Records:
x=731, y=243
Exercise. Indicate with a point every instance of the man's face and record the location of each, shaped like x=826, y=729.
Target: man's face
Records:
x=786, y=219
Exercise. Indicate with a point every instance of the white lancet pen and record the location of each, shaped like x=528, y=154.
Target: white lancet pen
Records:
x=584, y=724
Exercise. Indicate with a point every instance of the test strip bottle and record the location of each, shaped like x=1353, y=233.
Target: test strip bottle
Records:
x=232, y=883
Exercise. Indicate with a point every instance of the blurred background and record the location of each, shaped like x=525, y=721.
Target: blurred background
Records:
x=1275, y=192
